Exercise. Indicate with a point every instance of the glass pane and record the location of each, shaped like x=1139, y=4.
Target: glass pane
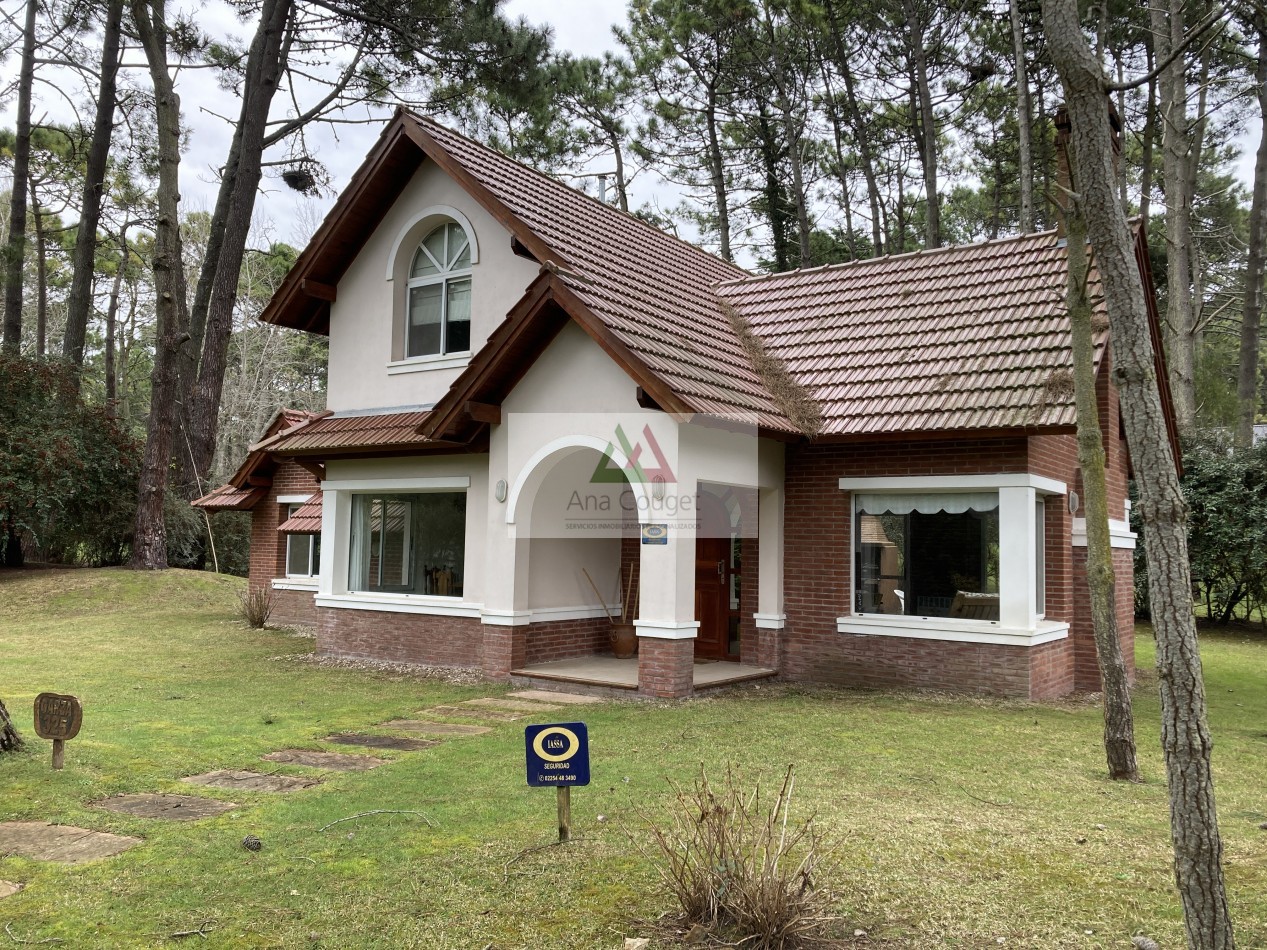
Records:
x=459, y=248
x=389, y=545
x=423, y=266
x=459, y=316
x=298, y=548
x=434, y=243
x=440, y=542
x=424, y=320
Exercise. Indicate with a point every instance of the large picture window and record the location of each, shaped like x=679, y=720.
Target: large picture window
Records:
x=438, y=318
x=927, y=555
x=408, y=543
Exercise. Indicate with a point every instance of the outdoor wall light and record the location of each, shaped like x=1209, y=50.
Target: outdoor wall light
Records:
x=500, y=490
x=1073, y=503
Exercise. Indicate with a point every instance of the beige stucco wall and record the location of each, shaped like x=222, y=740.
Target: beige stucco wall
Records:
x=362, y=318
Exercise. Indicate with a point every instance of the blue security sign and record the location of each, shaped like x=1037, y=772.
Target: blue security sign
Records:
x=558, y=754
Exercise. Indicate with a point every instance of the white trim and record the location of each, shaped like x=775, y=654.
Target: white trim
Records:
x=770, y=621
x=425, y=364
x=602, y=447
x=293, y=499
x=402, y=604
x=1120, y=534
x=506, y=618
x=957, y=631
x=580, y=612
x=667, y=629
x=425, y=483
x=950, y=483
x=296, y=582
x=435, y=211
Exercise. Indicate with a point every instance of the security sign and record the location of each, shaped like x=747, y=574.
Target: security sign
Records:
x=558, y=754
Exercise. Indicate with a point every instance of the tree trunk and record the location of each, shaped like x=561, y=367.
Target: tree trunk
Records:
x=10, y=741
x=1119, y=721
x=16, y=252
x=1024, y=116
x=41, y=273
x=926, y=138
x=1185, y=734
x=717, y=173
x=83, y=259
x=1247, y=376
x=112, y=313
x=149, y=541
x=241, y=180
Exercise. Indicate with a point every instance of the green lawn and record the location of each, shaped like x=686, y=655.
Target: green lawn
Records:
x=959, y=821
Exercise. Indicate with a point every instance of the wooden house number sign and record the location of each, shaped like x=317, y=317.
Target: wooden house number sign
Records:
x=57, y=717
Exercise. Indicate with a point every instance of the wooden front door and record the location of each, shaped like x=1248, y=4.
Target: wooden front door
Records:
x=712, y=598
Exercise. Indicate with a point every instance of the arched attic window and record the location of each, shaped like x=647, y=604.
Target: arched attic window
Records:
x=438, y=318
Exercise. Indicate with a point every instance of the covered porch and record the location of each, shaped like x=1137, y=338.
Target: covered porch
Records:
x=609, y=672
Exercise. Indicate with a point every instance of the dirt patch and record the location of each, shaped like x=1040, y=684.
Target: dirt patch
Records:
x=516, y=705
x=64, y=844
x=567, y=699
x=8, y=888
x=474, y=712
x=335, y=761
x=383, y=742
x=435, y=728
x=239, y=779
x=165, y=807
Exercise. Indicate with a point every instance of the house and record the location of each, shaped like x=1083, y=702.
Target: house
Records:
x=543, y=412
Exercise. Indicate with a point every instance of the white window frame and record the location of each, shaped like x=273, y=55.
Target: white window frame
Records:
x=1021, y=611
x=314, y=546
x=444, y=276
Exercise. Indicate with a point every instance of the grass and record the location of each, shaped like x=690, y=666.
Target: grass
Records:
x=960, y=821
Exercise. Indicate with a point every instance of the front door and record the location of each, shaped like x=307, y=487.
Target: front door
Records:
x=713, y=580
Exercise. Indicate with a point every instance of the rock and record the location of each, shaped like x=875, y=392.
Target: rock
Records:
x=252, y=843
x=1144, y=943
x=637, y=943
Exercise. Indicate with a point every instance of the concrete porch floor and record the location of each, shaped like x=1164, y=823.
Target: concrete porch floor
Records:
x=623, y=674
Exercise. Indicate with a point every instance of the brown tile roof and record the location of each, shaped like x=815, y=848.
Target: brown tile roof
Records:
x=972, y=337
x=652, y=290
x=307, y=520
x=348, y=433
x=230, y=498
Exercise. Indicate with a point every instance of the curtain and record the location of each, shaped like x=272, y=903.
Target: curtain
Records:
x=902, y=503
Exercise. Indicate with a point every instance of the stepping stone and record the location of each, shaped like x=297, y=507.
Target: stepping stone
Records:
x=518, y=705
x=383, y=742
x=474, y=712
x=8, y=888
x=65, y=844
x=251, y=781
x=435, y=728
x=546, y=696
x=165, y=807
x=335, y=761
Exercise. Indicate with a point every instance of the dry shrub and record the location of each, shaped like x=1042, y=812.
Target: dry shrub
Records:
x=256, y=606
x=741, y=870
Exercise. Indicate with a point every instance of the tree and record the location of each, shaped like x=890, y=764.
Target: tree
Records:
x=1119, y=721
x=10, y=741
x=15, y=255
x=1256, y=251
x=1185, y=732
x=599, y=94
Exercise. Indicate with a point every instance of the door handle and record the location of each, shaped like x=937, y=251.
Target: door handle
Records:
x=721, y=570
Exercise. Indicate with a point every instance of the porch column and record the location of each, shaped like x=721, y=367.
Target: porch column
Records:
x=666, y=621
x=770, y=618
x=1018, y=539
x=505, y=614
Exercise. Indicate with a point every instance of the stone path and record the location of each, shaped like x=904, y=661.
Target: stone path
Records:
x=435, y=728
x=66, y=844
x=165, y=807
x=474, y=712
x=239, y=779
x=382, y=742
x=515, y=705
x=546, y=696
x=8, y=887
x=334, y=761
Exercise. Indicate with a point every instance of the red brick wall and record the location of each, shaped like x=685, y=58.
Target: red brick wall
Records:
x=666, y=667
x=563, y=639
x=422, y=639
x=294, y=608
x=268, y=548
x=1051, y=669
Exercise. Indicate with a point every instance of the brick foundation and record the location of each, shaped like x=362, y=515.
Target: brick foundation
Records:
x=293, y=608
x=422, y=639
x=666, y=668
x=564, y=639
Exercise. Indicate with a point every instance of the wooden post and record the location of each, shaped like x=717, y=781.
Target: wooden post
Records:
x=59, y=753
x=565, y=813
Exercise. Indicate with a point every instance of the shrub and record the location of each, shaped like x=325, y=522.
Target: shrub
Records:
x=257, y=606
x=740, y=872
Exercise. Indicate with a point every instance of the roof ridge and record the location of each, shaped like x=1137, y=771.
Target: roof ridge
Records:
x=884, y=258
x=627, y=216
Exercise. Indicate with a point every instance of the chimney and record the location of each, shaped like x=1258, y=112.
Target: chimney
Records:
x=1064, y=129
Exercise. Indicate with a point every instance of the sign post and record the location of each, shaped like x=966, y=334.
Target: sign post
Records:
x=57, y=717
x=558, y=754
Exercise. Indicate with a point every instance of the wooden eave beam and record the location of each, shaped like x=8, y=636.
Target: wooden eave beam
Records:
x=313, y=467
x=484, y=412
x=315, y=288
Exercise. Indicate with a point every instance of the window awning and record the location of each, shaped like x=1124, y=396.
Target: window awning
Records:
x=307, y=520
x=929, y=503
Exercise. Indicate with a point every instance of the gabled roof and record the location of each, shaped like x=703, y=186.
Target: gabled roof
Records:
x=347, y=434
x=649, y=292
x=250, y=482
x=970, y=337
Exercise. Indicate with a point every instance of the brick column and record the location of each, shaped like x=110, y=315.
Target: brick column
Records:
x=666, y=667
x=505, y=649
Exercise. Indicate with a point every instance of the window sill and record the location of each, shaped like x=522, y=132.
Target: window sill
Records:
x=402, y=604
x=425, y=364
x=296, y=582
x=955, y=631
